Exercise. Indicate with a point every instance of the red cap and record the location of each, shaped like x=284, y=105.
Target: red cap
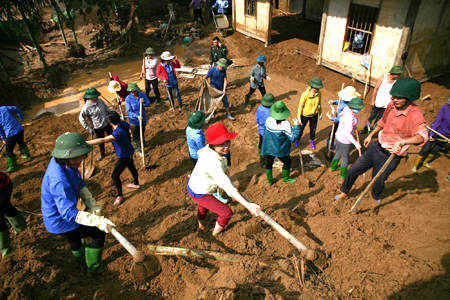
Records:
x=218, y=133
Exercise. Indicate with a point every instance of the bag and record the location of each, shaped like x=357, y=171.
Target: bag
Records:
x=365, y=60
x=358, y=41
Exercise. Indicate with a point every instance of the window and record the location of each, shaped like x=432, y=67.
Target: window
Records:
x=250, y=7
x=360, y=22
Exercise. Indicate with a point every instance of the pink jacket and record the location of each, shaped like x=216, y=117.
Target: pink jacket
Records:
x=347, y=126
x=161, y=71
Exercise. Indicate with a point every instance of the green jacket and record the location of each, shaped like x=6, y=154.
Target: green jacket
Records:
x=218, y=53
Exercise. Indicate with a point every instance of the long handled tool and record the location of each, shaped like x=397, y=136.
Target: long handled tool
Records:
x=1, y=149
x=118, y=101
x=359, y=150
x=441, y=135
x=144, y=268
x=301, y=158
x=366, y=191
x=170, y=100
x=141, y=133
x=328, y=156
x=90, y=169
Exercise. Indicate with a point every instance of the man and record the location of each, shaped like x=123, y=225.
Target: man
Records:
x=381, y=97
x=402, y=125
x=218, y=75
x=197, y=10
x=218, y=51
x=149, y=69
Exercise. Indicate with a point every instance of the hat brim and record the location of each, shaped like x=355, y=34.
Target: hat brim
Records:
x=279, y=116
x=358, y=106
x=198, y=124
x=345, y=96
x=267, y=103
x=77, y=153
x=261, y=60
x=222, y=65
x=223, y=138
x=133, y=90
x=314, y=85
x=167, y=58
x=114, y=88
x=92, y=96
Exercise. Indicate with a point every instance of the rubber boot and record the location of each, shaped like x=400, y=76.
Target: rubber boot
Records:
x=417, y=161
x=269, y=176
x=311, y=143
x=427, y=161
x=262, y=159
x=137, y=147
x=26, y=152
x=5, y=243
x=80, y=255
x=93, y=260
x=156, y=98
x=343, y=171
x=18, y=222
x=12, y=163
x=247, y=101
x=285, y=174
x=334, y=164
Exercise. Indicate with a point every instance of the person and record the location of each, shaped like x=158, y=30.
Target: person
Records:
x=262, y=113
x=149, y=65
x=310, y=109
x=210, y=172
x=197, y=10
x=435, y=142
x=257, y=76
x=278, y=136
x=345, y=95
x=218, y=78
x=194, y=134
x=121, y=139
x=12, y=214
x=344, y=135
x=221, y=5
x=218, y=51
x=166, y=72
x=132, y=105
x=12, y=133
x=61, y=187
x=401, y=126
x=119, y=87
x=381, y=97
x=97, y=112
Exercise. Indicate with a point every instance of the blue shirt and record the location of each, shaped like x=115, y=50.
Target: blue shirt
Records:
x=122, y=144
x=8, y=125
x=219, y=4
x=172, y=79
x=195, y=140
x=341, y=107
x=133, y=108
x=60, y=191
x=262, y=113
x=217, y=77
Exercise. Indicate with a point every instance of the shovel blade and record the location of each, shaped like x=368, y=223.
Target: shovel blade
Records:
x=147, y=270
x=88, y=172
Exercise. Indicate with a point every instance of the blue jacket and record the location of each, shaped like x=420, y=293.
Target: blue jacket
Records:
x=8, y=125
x=262, y=113
x=60, y=191
x=195, y=140
x=122, y=144
x=133, y=108
x=341, y=107
x=219, y=4
x=278, y=138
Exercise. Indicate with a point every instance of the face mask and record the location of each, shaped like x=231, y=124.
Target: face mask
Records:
x=261, y=64
x=356, y=110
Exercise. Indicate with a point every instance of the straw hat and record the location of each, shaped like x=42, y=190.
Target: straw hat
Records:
x=114, y=86
x=218, y=133
x=166, y=56
x=348, y=93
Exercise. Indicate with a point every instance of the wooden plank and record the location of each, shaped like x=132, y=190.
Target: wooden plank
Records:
x=256, y=37
x=323, y=28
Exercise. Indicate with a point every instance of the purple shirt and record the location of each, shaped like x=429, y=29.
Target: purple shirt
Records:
x=442, y=122
x=197, y=3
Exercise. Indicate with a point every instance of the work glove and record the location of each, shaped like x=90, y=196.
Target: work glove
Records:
x=252, y=79
x=88, y=219
x=267, y=77
x=90, y=202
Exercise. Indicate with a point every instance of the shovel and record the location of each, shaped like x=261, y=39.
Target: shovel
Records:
x=118, y=101
x=170, y=101
x=144, y=268
x=1, y=149
x=359, y=150
x=90, y=169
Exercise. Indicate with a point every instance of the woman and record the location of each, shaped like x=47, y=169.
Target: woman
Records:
x=61, y=187
x=12, y=214
x=257, y=76
x=194, y=134
x=121, y=140
x=310, y=108
x=166, y=72
x=278, y=136
x=132, y=105
x=149, y=64
x=12, y=133
x=262, y=113
x=210, y=172
x=221, y=5
x=96, y=111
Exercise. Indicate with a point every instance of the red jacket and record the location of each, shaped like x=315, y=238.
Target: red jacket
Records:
x=161, y=71
x=123, y=91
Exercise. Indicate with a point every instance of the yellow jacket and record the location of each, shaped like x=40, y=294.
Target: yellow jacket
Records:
x=310, y=105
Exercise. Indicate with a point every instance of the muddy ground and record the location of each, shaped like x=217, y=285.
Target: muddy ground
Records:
x=398, y=250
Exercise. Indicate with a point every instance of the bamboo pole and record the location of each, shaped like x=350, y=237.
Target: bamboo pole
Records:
x=431, y=129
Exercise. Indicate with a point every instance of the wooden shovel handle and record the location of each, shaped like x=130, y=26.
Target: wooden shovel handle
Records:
x=141, y=134
x=442, y=136
x=122, y=240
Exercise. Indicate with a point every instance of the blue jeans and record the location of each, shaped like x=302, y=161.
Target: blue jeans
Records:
x=176, y=92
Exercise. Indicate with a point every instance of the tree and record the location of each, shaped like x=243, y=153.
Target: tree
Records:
x=58, y=20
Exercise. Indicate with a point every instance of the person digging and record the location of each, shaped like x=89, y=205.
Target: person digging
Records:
x=166, y=72
x=118, y=86
x=218, y=79
x=149, y=65
x=257, y=76
x=262, y=113
x=132, y=105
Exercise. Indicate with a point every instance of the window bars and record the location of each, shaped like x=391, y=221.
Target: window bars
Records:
x=361, y=21
x=250, y=7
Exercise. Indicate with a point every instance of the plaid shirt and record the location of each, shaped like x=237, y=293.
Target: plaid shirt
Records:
x=172, y=79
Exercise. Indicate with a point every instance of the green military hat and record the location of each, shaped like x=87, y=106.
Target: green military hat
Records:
x=196, y=119
x=396, y=70
x=268, y=100
x=223, y=63
x=356, y=103
x=407, y=87
x=316, y=83
x=70, y=145
x=91, y=93
x=149, y=51
x=279, y=111
x=133, y=87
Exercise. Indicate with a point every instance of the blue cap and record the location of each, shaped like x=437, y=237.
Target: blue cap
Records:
x=261, y=58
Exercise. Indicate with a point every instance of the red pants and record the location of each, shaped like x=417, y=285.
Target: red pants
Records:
x=210, y=203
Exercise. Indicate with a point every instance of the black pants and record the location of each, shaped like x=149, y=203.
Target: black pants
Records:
x=74, y=237
x=100, y=133
x=286, y=162
x=312, y=125
x=374, y=157
x=121, y=164
x=431, y=147
x=11, y=143
x=148, y=87
x=261, y=89
x=198, y=13
x=377, y=113
x=261, y=138
x=6, y=208
x=137, y=132
x=194, y=160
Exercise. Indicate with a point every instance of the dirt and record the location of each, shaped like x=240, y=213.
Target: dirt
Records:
x=397, y=250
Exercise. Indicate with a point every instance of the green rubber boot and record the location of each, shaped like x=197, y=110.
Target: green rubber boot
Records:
x=270, y=179
x=18, y=222
x=427, y=161
x=334, y=164
x=93, y=260
x=262, y=159
x=80, y=255
x=343, y=171
x=417, y=161
x=247, y=101
x=285, y=174
x=5, y=244
x=12, y=163
x=26, y=152
x=137, y=147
